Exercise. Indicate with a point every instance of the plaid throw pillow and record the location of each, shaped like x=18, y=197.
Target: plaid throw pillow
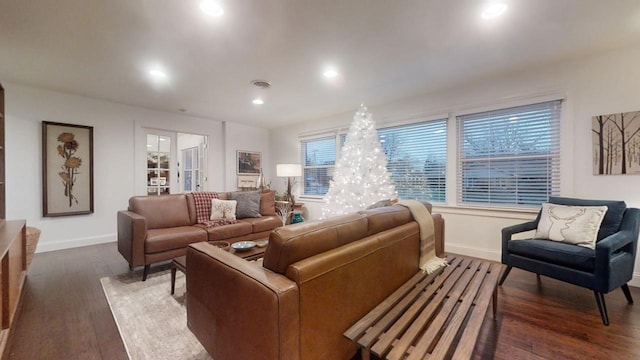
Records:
x=203, y=206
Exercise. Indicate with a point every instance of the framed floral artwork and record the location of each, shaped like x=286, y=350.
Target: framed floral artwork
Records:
x=67, y=169
x=249, y=162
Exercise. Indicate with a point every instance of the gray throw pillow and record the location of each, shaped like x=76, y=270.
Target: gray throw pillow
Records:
x=248, y=204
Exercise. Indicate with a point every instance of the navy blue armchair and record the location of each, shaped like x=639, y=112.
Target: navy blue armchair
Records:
x=602, y=270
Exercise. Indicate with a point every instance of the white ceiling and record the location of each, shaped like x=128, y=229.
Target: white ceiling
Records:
x=384, y=49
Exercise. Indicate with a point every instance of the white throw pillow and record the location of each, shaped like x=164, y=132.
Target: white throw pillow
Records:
x=576, y=225
x=223, y=209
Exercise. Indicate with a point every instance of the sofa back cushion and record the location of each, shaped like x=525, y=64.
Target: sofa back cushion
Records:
x=268, y=203
x=341, y=285
x=387, y=217
x=293, y=243
x=162, y=211
x=612, y=218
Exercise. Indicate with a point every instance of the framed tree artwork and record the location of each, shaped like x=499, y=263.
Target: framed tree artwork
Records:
x=249, y=162
x=616, y=143
x=67, y=169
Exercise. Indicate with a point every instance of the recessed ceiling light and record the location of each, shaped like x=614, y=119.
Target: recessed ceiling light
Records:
x=258, y=101
x=330, y=73
x=211, y=8
x=158, y=74
x=494, y=10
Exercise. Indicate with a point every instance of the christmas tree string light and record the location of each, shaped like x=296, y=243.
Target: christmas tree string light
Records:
x=360, y=176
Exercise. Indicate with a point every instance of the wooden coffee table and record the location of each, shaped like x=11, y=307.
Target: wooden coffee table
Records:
x=436, y=316
x=180, y=263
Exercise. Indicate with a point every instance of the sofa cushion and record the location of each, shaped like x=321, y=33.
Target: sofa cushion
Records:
x=223, y=209
x=575, y=257
x=161, y=212
x=248, y=204
x=296, y=242
x=576, y=225
x=268, y=203
x=229, y=231
x=160, y=240
x=264, y=223
x=384, y=218
x=612, y=219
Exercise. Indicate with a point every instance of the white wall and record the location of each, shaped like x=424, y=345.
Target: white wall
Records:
x=598, y=84
x=119, y=144
x=247, y=138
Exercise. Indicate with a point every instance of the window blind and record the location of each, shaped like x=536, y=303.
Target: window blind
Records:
x=318, y=159
x=509, y=157
x=417, y=159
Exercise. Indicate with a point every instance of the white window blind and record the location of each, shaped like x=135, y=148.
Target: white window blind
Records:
x=417, y=159
x=318, y=160
x=509, y=157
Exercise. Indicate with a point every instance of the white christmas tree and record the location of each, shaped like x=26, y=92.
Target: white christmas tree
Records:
x=360, y=176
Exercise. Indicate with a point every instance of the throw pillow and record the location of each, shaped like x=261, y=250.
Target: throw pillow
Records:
x=248, y=204
x=576, y=225
x=202, y=202
x=223, y=209
x=268, y=203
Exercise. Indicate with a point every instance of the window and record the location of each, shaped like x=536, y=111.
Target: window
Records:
x=509, y=157
x=417, y=159
x=158, y=164
x=318, y=159
x=191, y=169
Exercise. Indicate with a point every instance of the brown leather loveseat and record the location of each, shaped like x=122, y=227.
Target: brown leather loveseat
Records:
x=315, y=281
x=159, y=228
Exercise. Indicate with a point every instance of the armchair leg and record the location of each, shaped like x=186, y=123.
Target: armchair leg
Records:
x=145, y=272
x=504, y=275
x=627, y=293
x=602, y=306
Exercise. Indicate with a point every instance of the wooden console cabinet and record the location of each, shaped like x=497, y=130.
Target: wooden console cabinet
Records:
x=13, y=271
x=13, y=251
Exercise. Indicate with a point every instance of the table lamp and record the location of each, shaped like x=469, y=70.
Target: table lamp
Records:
x=289, y=171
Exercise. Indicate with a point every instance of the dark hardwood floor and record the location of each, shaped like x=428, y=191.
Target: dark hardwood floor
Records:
x=65, y=315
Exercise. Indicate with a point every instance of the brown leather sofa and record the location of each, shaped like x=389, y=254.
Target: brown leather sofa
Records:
x=315, y=281
x=159, y=228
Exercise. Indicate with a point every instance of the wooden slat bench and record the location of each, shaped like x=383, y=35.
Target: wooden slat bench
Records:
x=435, y=316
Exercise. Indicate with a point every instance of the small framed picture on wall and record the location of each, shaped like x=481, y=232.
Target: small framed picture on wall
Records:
x=248, y=162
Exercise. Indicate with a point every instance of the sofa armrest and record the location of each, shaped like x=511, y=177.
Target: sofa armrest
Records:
x=132, y=233
x=508, y=232
x=229, y=298
x=615, y=254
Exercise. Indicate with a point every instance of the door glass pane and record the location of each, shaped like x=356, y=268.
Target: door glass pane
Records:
x=158, y=164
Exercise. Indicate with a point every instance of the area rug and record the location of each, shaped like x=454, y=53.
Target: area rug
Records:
x=152, y=322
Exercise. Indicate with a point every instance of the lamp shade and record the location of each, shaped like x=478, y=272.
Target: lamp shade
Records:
x=289, y=170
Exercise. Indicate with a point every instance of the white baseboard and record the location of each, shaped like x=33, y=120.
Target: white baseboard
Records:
x=482, y=253
x=73, y=243
x=497, y=256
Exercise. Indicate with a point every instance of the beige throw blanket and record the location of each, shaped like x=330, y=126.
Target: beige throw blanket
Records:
x=429, y=262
